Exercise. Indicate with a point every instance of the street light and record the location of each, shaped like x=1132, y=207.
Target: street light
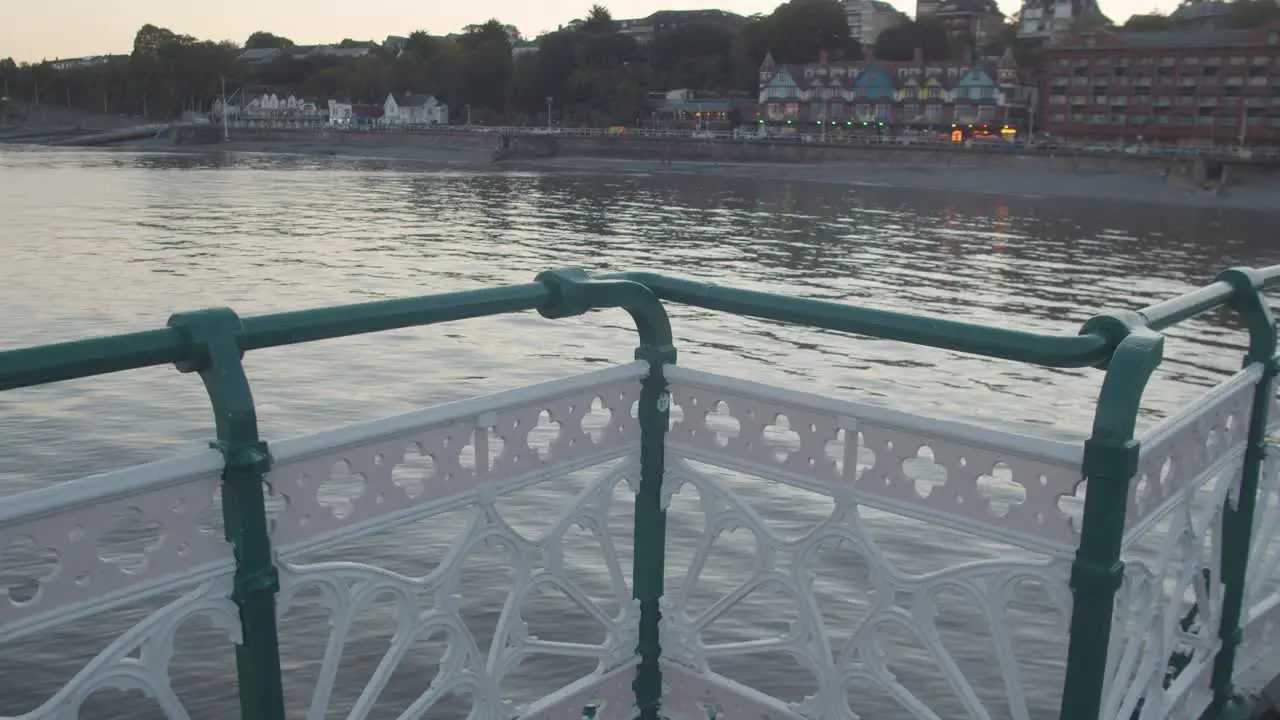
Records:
x=468, y=107
x=548, y=112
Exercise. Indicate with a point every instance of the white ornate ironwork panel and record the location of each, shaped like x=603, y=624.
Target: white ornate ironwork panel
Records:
x=87, y=545
x=607, y=696
x=1169, y=606
x=898, y=601
x=1008, y=487
x=139, y=659
x=1262, y=579
x=1181, y=451
x=428, y=608
x=688, y=694
x=354, y=481
x=1260, y=641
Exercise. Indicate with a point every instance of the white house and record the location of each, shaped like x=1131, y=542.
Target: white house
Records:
x=340, y=113
x=414, y=109
x=270, y=105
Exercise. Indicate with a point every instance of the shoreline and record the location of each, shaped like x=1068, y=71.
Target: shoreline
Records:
x=1030, y=183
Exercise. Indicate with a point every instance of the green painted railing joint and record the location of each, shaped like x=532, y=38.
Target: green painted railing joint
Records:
x=1113, y=328
x=572, y=292
x=212, y=339
x=1237, y=518
x=1109, y=463
x=1106, y=457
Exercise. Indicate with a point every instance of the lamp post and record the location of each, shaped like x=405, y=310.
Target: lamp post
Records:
x=548, y=112
x=226, y=136
x=468, y=108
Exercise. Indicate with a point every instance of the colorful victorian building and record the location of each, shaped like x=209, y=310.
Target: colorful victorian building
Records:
x=1198, y=86
x=891, y=96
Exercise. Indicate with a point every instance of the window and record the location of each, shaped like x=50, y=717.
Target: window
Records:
x=1209, y=71
x=933, y=113
x=1191, y=60
x=1057, y=99
x=1137, y=119
x=1059, y=117
x=1164, y=71
x=935, y=93
x=1257, y=71
x=1141, y=90
x=1256, y=81
x=910, y=111
x=1186, y=91
x=1237, y=59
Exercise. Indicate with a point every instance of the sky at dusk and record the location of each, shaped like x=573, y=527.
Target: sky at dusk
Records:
x=34, y=31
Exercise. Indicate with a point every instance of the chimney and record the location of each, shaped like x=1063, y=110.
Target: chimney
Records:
x=822, y=57
x=918, y=57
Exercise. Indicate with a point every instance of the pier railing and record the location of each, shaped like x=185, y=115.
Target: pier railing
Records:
x=715, y=547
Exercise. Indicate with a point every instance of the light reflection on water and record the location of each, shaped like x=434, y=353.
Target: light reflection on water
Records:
x=97, y=243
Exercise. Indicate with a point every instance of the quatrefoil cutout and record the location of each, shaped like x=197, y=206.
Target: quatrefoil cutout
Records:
x=544, y=435
x=924, y=472
x=722, y=424
x=1000, y=490
x=25, y=565
x=779, y=437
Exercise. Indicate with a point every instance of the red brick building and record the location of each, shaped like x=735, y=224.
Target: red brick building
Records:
x=1211, y=86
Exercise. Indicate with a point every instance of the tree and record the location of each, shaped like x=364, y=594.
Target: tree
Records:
x=1247, y=14
x=901, y=42
x=697, y=56
x=487, y=66
x=598, y=21
x=798, y=30
x=263, y=40
x=1147, y=22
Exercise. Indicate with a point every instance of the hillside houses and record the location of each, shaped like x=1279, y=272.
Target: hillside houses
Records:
x=906, y=94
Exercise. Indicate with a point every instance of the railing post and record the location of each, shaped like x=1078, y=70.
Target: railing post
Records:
x=213, y=336
x=651, y=527
x=1237, y=520
x=1110, y=461
x=572, y=292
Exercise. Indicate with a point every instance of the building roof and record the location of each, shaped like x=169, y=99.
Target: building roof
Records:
x=260, y=54
x=410, y=99
x=844, y=74
x=1168, y=38
x=1199, y=10
x=969, y=7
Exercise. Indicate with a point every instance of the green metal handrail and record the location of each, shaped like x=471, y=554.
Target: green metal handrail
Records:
x=1127, y=344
